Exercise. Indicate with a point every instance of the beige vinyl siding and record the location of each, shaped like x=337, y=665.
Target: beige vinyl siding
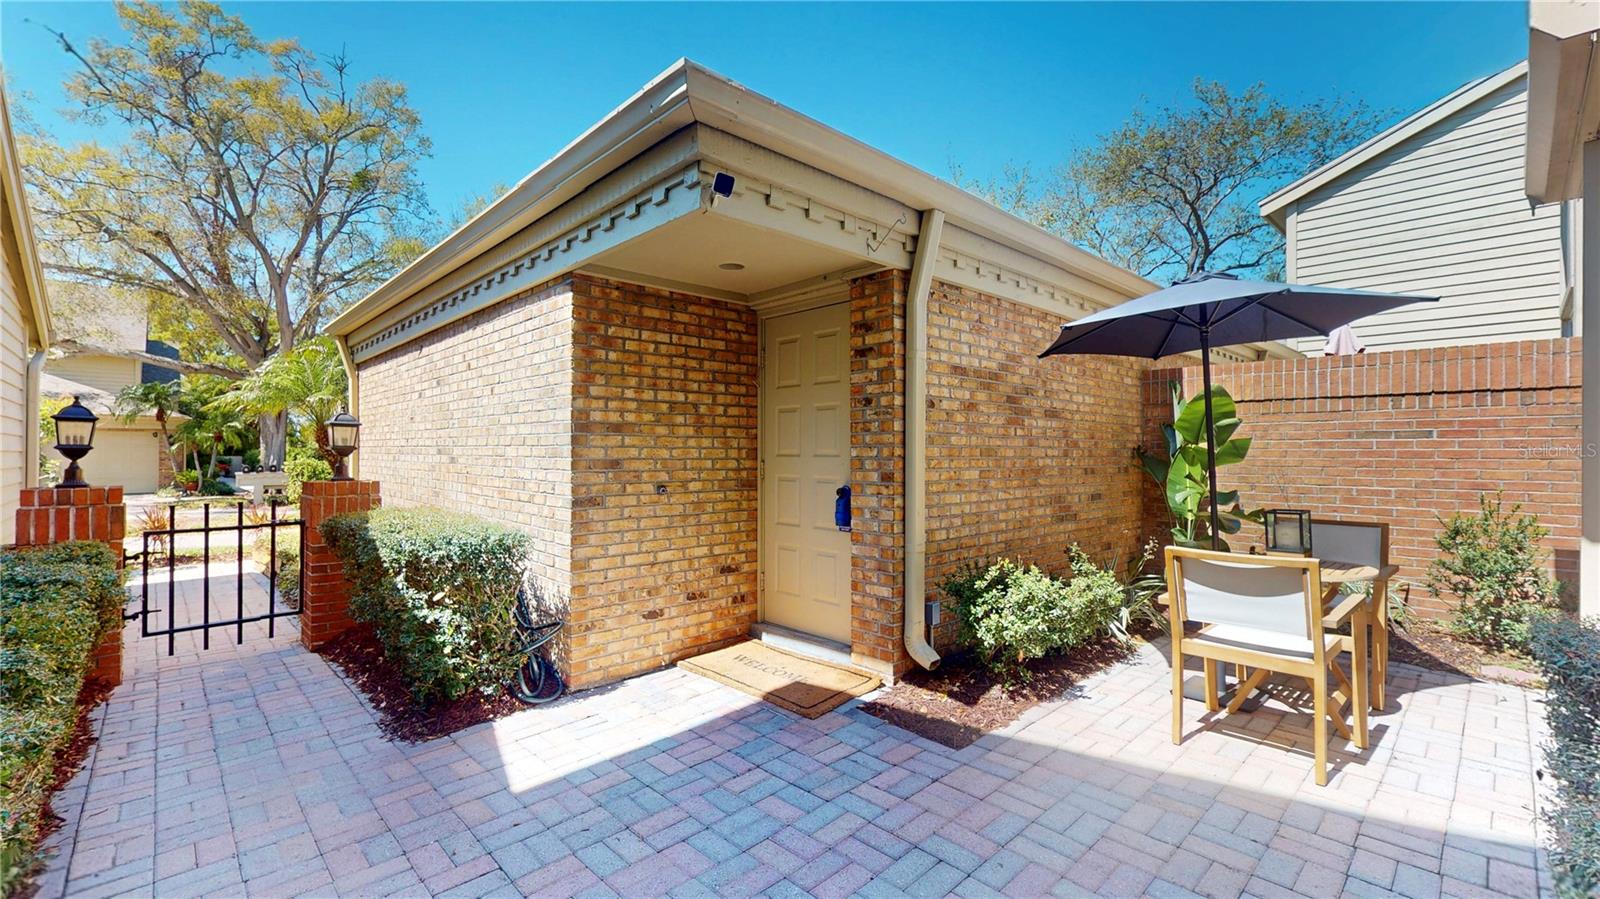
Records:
x=15, y=419
x=107, y=373
x=1441, y=213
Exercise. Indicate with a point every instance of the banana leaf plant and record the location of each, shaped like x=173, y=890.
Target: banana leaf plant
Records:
x=1183, y=475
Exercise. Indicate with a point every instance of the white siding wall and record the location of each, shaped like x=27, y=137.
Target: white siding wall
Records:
x=1443, y=213
x=15, y=418
x=107, y=373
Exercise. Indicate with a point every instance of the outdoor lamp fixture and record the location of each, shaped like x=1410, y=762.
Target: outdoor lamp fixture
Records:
x=1288, y=531
x=74, y=439
x=343, y=437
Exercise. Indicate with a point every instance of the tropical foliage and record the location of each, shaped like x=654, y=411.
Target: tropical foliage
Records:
x=159, y=399
x=1494, y=567
x=1183, y=475
x=438, y=588
x=54, y=605
x=306, y=383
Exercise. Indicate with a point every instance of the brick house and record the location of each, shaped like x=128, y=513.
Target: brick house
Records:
x=665, y=351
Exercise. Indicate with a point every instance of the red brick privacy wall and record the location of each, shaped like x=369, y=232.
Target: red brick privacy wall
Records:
x=477, y=417
x=325, y=592
x=1405, y=437
x=664, y=477
x=877, y=468
x=1026, y=456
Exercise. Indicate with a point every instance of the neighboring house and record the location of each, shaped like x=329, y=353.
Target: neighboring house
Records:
x=1436, y=205
x=25, y=332
x=665, y=351
x=129, y=453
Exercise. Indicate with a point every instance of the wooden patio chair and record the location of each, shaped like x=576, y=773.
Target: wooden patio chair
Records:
x=1264, y=613
x=1363, y=544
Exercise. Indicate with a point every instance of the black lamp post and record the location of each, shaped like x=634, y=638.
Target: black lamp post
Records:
x=344, y=435
x=74, y=439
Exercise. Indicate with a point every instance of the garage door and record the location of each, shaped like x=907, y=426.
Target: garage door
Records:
x=126, y=458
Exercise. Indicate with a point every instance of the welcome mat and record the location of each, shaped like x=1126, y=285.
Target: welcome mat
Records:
x=803, y=685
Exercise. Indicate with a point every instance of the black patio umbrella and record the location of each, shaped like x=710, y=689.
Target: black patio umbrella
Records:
x=1209, y=309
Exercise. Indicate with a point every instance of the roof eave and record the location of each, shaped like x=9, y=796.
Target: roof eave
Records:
x=1274, y=207
x=686, y=93
x=22, y=224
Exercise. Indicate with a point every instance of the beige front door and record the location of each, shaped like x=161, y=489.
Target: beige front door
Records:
x=805, y=449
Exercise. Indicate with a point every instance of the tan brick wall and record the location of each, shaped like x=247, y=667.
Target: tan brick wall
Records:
x=664, y=477
x=1406, y=437
x=477, y=417
x=1026, y=456
x=877, y=467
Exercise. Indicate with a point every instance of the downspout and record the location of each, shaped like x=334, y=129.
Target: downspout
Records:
x=30, y=443
x=916, y=502
x=352, y=376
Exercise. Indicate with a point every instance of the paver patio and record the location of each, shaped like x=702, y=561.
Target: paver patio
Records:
x=255, y=769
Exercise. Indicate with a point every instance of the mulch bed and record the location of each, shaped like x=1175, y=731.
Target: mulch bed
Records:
x=359, y=655
x=960, y=701
x=1429, y=644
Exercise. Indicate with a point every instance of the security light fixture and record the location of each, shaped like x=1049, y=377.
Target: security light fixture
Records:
x=74, y=438
x=722, y=184
x=344, y=435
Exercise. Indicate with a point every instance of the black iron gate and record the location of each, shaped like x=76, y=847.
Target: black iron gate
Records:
x=167, y=550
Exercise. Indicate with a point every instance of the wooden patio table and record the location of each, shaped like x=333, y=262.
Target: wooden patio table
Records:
x=1334, y=575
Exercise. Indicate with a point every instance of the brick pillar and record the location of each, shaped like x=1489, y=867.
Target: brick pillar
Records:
x=59, y=515
x=325, y=594
x=877, y=472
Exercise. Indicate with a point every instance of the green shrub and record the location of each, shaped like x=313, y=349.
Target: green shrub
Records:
x=1569, y=654
x=300, y=469
x=216, y=487
x=1010, y=613
x=55, y=602
x=438, y=587
x=1493, y=564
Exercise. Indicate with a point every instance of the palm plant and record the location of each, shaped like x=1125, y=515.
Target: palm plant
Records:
x=158, y=398
x=308, y=383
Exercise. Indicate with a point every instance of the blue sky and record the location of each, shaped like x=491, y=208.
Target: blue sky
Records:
x=502, y=86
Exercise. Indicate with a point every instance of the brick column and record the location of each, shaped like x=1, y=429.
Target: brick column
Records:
x=877, y=472
x=324, y=593
x=59, y=515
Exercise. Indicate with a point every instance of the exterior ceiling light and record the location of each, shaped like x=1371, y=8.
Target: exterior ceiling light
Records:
x=732, y=266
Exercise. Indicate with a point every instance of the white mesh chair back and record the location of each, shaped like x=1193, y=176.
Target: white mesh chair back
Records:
x=1269, y=598
x=1340, y=541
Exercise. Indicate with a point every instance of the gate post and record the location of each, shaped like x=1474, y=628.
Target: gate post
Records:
x=324, y=592
x=59, y=515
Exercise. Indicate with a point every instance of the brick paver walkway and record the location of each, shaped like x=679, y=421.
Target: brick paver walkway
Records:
x=257, y=770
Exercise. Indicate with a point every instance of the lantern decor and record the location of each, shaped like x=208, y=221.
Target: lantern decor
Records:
x=1288, y=531
x=343, y=438
x=74, y=439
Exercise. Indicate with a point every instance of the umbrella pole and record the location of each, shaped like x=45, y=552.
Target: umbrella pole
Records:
x=1211, y=436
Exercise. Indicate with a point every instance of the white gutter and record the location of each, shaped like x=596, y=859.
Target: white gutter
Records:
x=916, y=502
x=30, y=443
x=352, y=376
